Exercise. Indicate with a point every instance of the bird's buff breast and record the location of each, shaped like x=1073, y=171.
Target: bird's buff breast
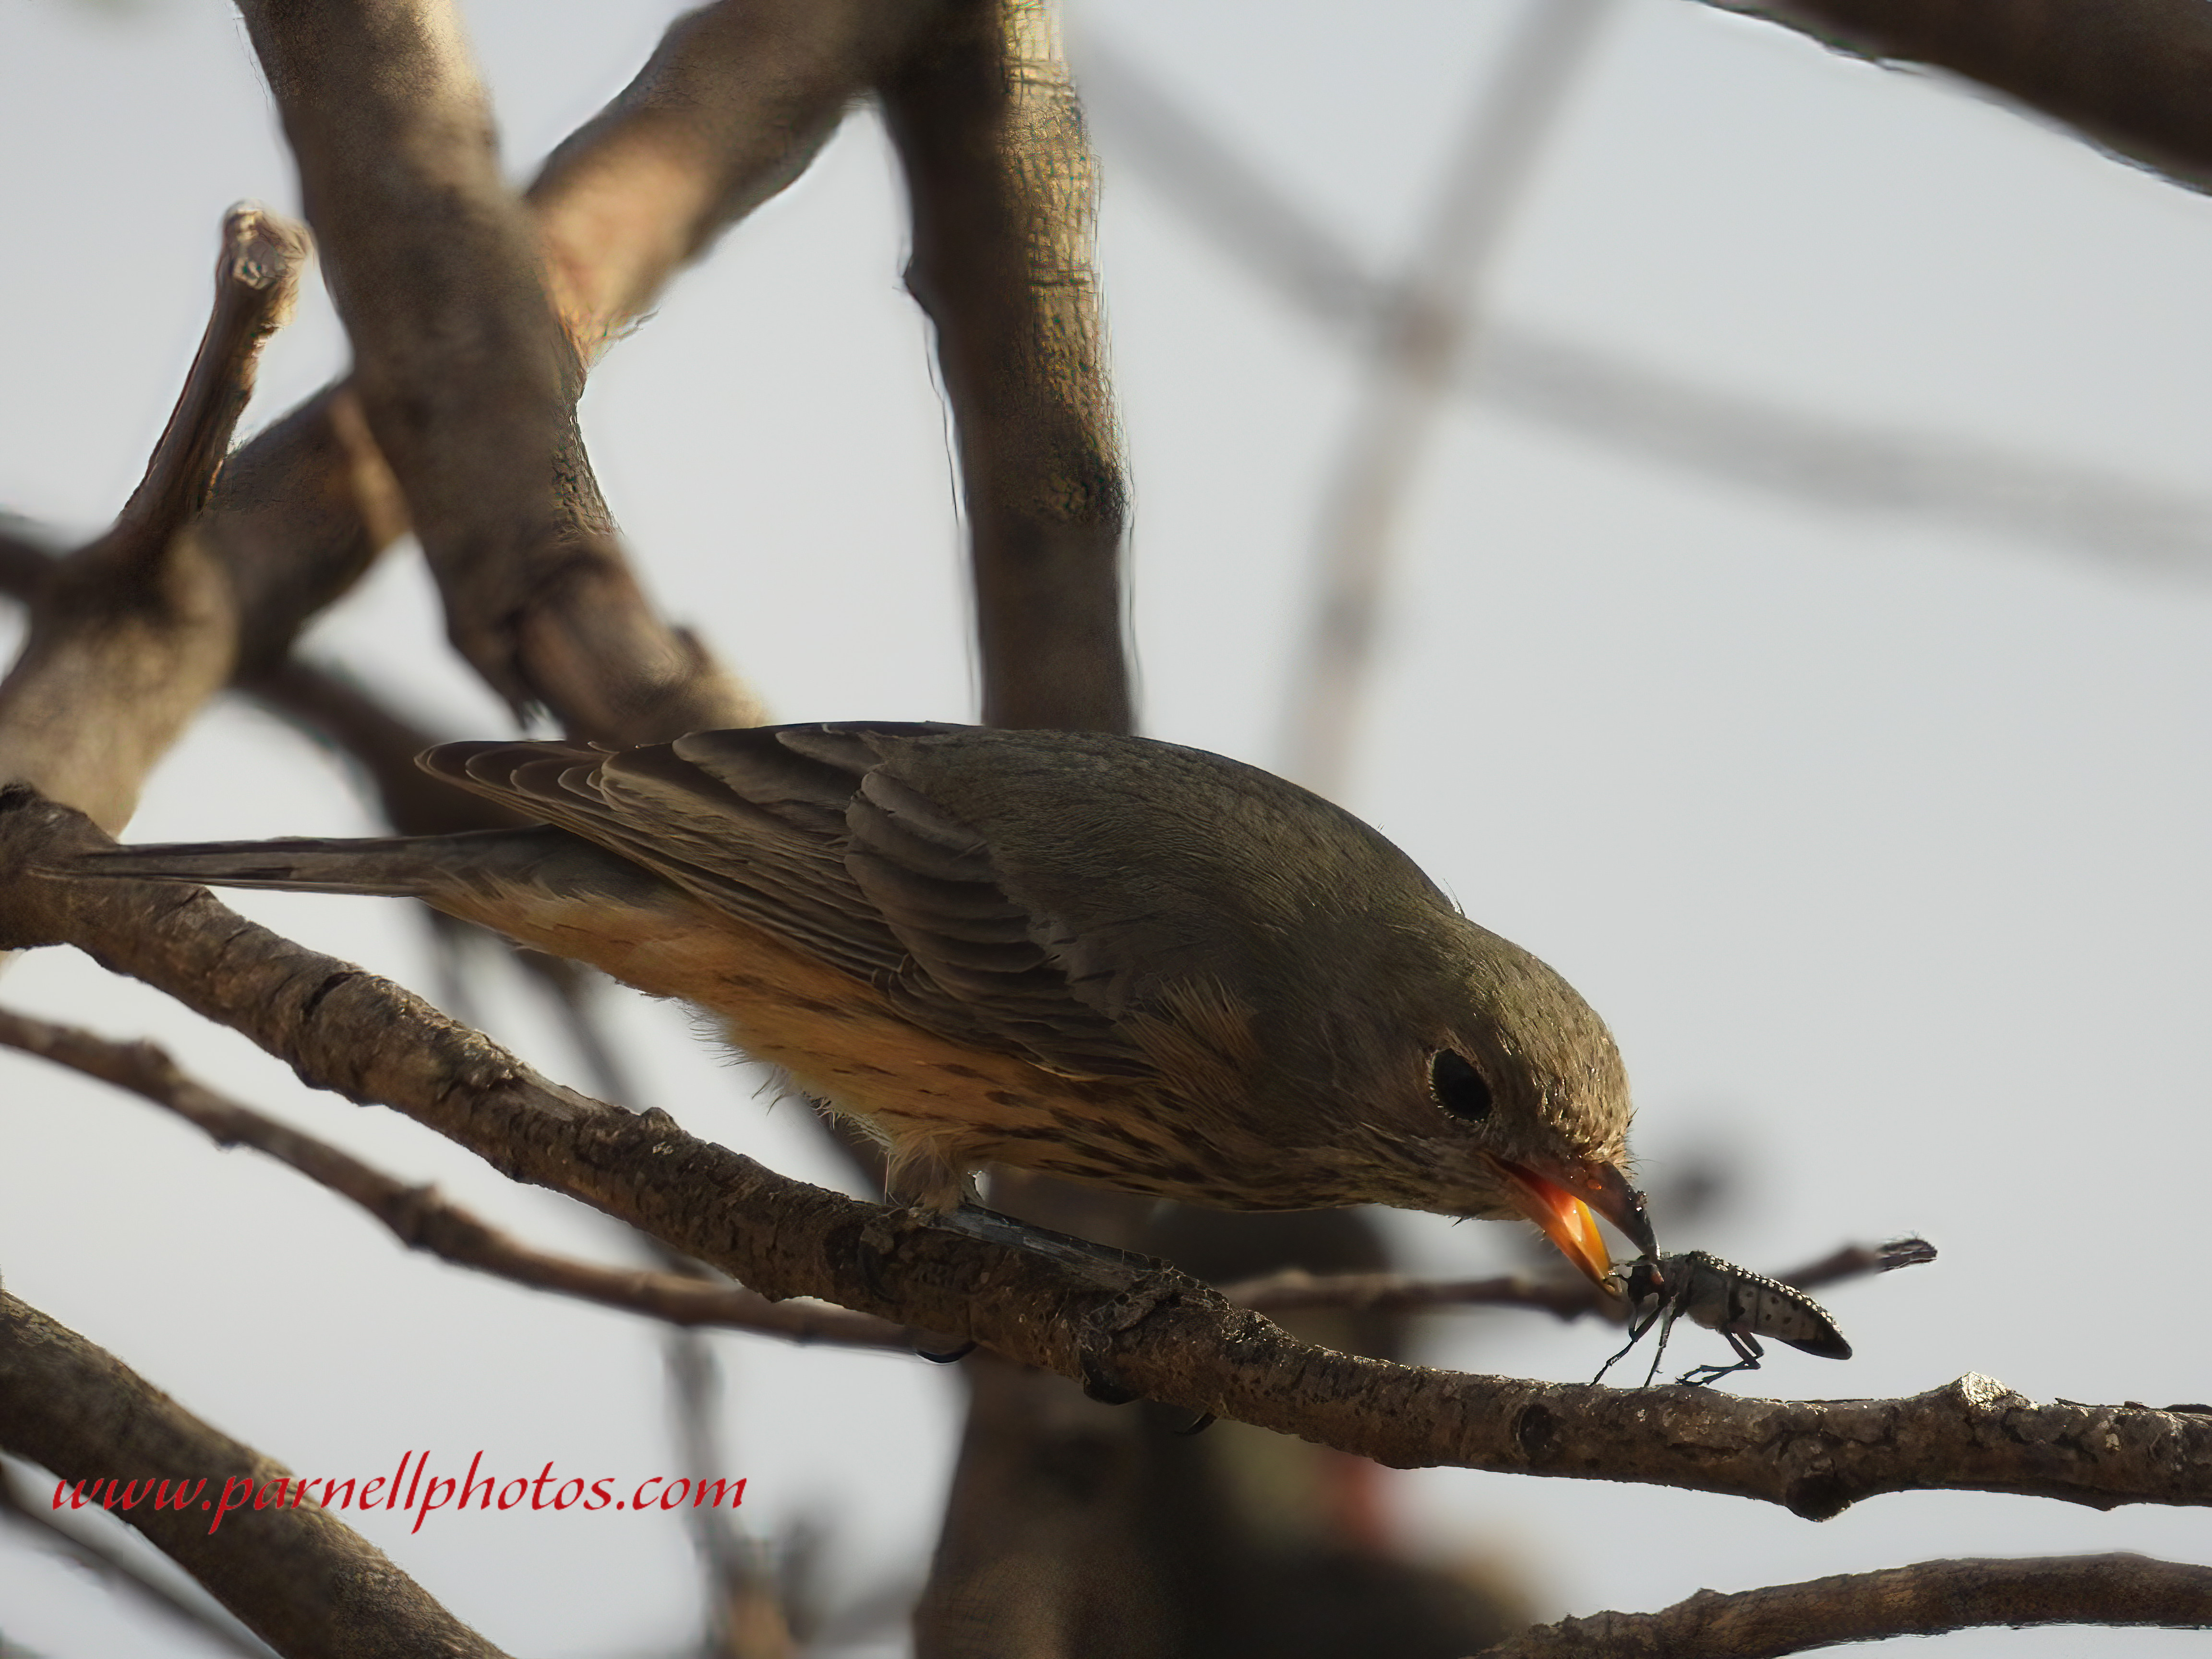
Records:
x=942, y=1107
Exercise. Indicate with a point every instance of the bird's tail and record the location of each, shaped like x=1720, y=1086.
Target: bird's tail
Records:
x=399, y=867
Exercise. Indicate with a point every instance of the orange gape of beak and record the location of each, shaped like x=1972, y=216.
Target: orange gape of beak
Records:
x=1566, y=1219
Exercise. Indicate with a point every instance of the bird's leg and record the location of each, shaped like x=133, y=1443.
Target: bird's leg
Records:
x=1083, y=1256
x=929, y=1188
x=1143, y=1283
x=924, y=1191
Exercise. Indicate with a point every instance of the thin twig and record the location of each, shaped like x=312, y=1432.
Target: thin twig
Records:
x=745, y=1616
x=1297, y=1292
x=421, y=1220
x=131, y=633
x=1856, y=1260
x=1925, y=1599
x=115, y=1569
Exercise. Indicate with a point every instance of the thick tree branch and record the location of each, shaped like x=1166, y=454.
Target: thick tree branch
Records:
x=421, y=1220
x=734, y=105
x=131, y=633
x=2129, y=75
x=1000, y=180
x=1162, y=1334
x=466, y=377
x=298, y=1578
x=1002, y=190
x=1925, y=1599
x=735, y=98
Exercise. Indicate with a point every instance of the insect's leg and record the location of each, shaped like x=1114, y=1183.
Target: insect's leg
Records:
x=1636, y=1330
x=1748, y=1354
x=1666, y=1330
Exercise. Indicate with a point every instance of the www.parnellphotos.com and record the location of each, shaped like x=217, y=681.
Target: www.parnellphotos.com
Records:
x=183, y=1493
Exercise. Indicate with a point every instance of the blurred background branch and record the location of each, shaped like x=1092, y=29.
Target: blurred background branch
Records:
x=1763, y=443
x=1421, y=339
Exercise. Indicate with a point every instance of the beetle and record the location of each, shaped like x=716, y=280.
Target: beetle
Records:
x=1741, y=1304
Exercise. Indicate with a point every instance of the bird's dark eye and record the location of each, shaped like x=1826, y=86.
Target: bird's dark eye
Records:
x=1458, y=1087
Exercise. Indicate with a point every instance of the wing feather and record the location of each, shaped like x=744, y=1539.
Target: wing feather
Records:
x=800, y=831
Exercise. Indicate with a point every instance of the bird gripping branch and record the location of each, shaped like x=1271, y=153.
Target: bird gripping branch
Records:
x=1118, y=961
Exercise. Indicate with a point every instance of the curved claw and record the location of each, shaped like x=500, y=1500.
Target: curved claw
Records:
x=1100, y=1382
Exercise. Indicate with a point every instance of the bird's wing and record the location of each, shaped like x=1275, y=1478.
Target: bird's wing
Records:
x=800, y=831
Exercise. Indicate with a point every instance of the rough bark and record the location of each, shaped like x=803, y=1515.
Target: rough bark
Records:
x=1002, y=187
x=298, y=1578
x=1925, y=1599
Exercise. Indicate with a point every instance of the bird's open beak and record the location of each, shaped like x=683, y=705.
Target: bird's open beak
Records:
x=1565, y=1218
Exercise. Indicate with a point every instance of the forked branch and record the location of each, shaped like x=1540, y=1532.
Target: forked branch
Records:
x=466, y=377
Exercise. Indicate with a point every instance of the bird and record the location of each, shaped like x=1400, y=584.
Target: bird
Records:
x=1116, y=960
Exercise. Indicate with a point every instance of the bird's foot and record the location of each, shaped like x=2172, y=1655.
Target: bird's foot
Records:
x=1103, y=1327
x=879, y=1242
x=1140, y=1284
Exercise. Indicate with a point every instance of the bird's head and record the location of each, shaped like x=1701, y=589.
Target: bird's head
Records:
x=1486, y=1086
x=1532, y=1079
